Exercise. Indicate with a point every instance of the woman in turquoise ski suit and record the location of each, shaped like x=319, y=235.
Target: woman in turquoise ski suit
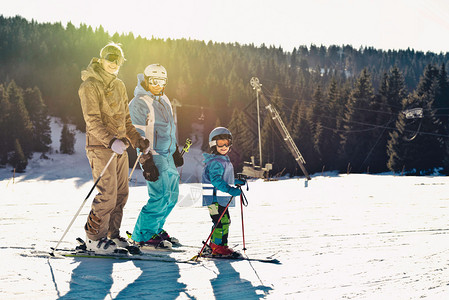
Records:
x=152, y=115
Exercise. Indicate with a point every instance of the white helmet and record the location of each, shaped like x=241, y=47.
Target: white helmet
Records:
x=155, y=71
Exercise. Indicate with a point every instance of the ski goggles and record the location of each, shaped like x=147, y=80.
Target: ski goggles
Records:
x=114, y=58
x=162, y=82
x=223, y=143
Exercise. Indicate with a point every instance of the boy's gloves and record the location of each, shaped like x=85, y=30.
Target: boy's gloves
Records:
x=234, y=191
x=177, y=157
x=119, y=145
x=143, y=145
x=150, y=171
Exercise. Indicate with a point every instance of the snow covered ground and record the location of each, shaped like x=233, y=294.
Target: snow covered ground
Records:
x=348, y=236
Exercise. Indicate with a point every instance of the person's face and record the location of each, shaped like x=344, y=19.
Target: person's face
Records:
x=155, y=89
x=156, y=85
x=111, y=63
x=223, y=146
x=110, y=67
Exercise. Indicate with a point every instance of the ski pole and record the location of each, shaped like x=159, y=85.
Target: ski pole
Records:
x=186, y=146
x=77, y=213
x=135, y=164
x=243, y=226
x=213, y=229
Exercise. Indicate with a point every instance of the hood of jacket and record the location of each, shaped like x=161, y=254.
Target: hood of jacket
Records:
x=95, y=70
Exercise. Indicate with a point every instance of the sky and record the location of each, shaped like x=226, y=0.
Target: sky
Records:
x=383, y=24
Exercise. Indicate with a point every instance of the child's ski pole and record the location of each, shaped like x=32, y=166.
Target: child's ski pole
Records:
x=215, y=226
x=243, y=226
x=243, y=201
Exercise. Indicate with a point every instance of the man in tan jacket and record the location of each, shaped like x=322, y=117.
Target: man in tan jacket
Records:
x=109, y=130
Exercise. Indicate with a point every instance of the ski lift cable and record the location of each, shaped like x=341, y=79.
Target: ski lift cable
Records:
x=293, y=99
x=373, y=126
x=415, y=134
x=377, y=127
x=279, y=83
x=340, y=105
x=375, y=144
x=360, y=109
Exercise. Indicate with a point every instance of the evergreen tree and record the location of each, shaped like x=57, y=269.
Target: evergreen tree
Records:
x=424, y=152
x=39, y=118
x=442, y=110
x=336, y=105
x=67, y=141
x=19, y=123
x=388, y=105
x=357, y=138
x=322, y=132
x=244, y=142
x=302, y=136
x=396, y=145
x=18, y=160
x=393, y=94
x=5, y=108
x=274, y=148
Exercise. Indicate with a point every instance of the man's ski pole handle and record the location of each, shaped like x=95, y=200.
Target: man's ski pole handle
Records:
x=87, y=197
x=186, y=146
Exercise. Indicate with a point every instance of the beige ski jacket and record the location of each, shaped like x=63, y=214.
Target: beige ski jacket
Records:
x=104, y=102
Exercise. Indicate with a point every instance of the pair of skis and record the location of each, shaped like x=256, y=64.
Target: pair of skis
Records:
x=160, y=258
x=151, y=254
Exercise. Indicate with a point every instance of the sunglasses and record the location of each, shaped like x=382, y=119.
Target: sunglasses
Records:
x=114, y=58
x=162, y=82
x=224, y=143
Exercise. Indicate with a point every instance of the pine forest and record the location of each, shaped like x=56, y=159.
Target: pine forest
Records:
x=352, y=110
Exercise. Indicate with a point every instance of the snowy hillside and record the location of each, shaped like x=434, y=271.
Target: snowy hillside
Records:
x=348, y=236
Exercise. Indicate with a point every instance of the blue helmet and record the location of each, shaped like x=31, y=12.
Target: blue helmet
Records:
x=219, y=133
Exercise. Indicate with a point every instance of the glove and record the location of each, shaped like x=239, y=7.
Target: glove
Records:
x=143, y=145
x=177, y=157
x=119, y=145
x=239, y=182
x=234, y=191
x=150, y=171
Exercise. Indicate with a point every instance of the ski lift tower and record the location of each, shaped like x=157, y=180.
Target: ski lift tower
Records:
x=250, y=168
x=281, y=127
x=258, y=117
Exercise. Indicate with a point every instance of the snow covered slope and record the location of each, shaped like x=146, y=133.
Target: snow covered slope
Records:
x=356, y=236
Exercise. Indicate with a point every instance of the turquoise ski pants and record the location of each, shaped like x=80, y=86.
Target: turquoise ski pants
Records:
x=163, y=195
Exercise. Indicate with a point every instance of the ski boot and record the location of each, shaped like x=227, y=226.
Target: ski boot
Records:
x=157, y=242
x=103, y=246
x=224, y=251
x=165, y=236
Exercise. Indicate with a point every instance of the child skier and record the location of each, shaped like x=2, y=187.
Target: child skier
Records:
x=218, y=176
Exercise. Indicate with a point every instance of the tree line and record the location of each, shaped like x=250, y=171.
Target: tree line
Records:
x=345, y=108
x=25, y=127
